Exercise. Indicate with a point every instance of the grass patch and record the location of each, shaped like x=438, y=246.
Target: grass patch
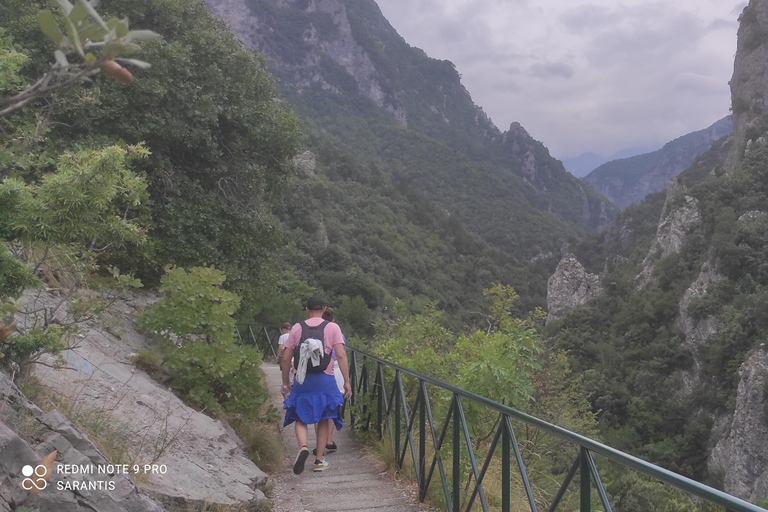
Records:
x=151, y=361
x=110, y=437
x=262, y=506
x=263, y=443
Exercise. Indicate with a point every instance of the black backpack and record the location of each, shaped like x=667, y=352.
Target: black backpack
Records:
x=308, y=332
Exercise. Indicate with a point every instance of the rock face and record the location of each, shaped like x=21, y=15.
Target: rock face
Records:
x=204, y=463
x=680, y=216
x=42, y=434
x=546, y=173
x=322, y=40
x=743, y=454
x=570, y=286
x=696, y=331
x=748, y=84
x=630, y=180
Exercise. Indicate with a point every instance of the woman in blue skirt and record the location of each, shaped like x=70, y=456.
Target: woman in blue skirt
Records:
x=314, y=396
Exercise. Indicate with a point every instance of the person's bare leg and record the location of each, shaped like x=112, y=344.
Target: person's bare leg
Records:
x=331, y=428
x=301, y=433
x=322, y=438
x=301, y=457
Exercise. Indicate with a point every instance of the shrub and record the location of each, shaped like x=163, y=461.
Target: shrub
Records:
x=195, y=321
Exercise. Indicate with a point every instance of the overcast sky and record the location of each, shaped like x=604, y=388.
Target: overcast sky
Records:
x=581, y=75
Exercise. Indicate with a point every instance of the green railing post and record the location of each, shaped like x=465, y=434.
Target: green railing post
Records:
x=456, y=455
x=379, y=398
x=398, y=385
x=353, y=385
x=506, y=474
x=585, y=487
x=365, y=409
x=422, y=440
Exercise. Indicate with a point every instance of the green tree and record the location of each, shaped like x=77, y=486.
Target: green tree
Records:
x=194, y=320
x=60, y=228
x=221, y=142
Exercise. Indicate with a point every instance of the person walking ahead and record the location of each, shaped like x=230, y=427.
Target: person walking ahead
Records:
x=285, y=329
x=314, y=397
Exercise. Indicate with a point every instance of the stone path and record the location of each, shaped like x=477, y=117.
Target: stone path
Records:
x=356, y=481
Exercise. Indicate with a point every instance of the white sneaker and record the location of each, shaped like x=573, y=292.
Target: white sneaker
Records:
x=321, y=465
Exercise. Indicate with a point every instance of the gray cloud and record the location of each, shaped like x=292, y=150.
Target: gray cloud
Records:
x=552, y=70
x=690, y=82
x=588, y=18
x=723, y=24
x=584, y=75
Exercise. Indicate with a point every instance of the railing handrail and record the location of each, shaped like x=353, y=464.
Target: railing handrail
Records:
x=681, y=482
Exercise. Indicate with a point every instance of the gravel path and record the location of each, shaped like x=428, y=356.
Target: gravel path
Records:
x=356, y=481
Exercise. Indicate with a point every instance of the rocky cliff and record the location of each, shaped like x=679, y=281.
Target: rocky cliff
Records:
x=629, y=180
x=748, y=83
x=742, y=455
x=570, y=286
x=680, y=216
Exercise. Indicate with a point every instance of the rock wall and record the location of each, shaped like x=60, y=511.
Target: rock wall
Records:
x=742, y=455
x=27, y=434
x=749, y=83
x=204, y=462
x=570, y=286
x=680, y=216
x=695, y=331
x=341, y=47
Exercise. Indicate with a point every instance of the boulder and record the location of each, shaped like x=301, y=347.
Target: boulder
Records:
x=570, y=286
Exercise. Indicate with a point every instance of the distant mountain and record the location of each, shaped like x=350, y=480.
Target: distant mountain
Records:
x=409, y=189
x=350, y=76
x=628, y=181
x=585, y=163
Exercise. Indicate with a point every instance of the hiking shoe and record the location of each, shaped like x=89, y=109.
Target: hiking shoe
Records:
x=321, y=465
x=301, y=458
x=329, y=448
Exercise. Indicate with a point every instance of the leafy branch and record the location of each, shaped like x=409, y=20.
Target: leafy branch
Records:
x=92, y=43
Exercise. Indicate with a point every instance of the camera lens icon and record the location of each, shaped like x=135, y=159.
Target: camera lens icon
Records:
x=35, y=477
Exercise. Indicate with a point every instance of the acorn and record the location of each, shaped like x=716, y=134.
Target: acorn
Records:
x=117, y=71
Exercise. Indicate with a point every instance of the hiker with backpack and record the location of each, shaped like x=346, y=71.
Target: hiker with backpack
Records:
x=314, y=396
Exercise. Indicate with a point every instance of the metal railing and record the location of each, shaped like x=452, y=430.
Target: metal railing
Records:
x=382, y=403
x=263, y=337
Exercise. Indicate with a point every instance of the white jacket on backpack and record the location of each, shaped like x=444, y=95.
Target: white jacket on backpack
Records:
x=312, y=351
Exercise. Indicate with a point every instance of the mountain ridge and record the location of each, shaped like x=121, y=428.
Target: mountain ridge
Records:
x=583, y=164
x=627, y=181
x=337, y=58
